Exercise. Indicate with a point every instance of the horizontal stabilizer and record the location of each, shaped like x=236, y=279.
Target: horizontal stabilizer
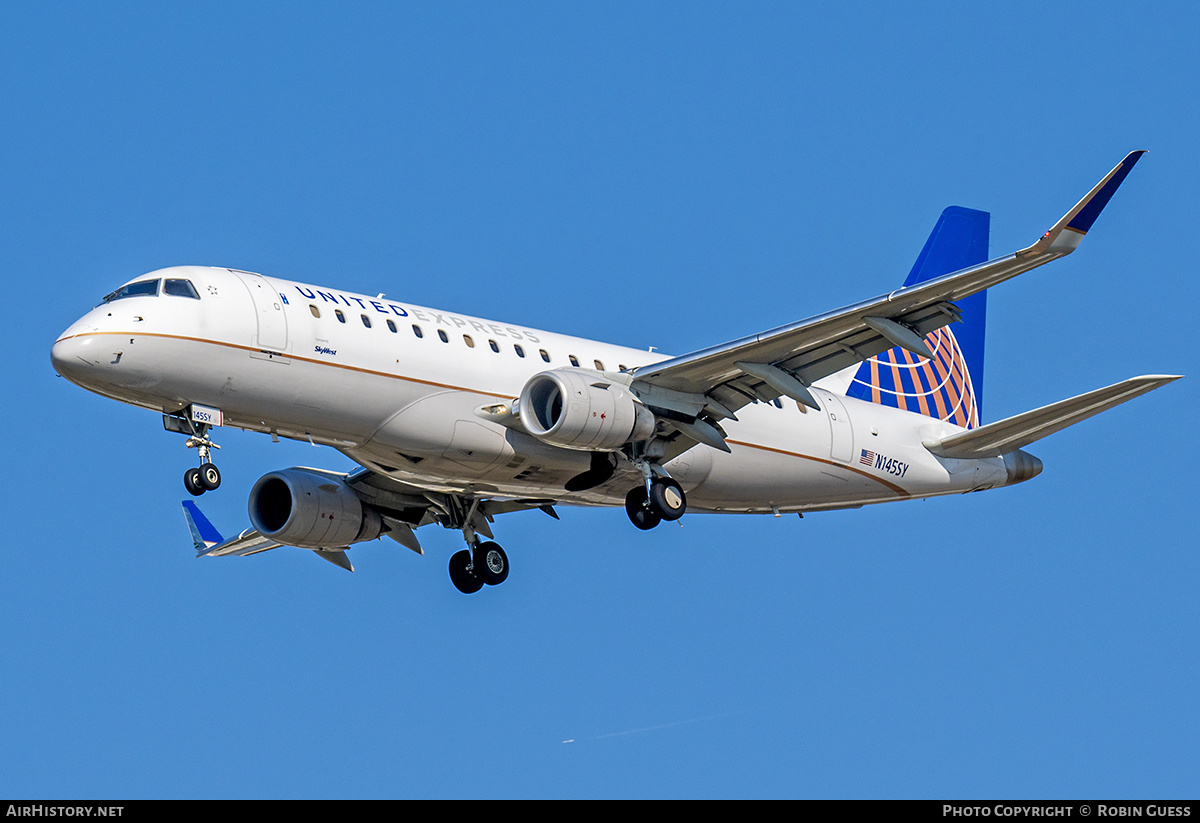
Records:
x=1004, y=436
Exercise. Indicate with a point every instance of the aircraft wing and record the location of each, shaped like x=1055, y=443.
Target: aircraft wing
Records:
x=403, y=507
x=786, y=360
x=209, y=542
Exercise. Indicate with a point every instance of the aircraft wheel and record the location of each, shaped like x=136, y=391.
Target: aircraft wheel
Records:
x=640, y=513
x=193, y=482
x=667, y=499
x=461, y=575
x=210, y=477
x=491, y=564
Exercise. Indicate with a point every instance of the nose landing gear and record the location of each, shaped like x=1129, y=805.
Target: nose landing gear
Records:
x=207, y=476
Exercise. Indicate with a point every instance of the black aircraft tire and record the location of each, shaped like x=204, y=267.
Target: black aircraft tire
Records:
x=491, y=564
x=210, y=477
x=640, y=514
x=193, y=482
x=667, y=499
x=463, y=580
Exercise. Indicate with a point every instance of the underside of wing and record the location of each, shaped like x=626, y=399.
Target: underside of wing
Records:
x=405, y=506
x=400, y=508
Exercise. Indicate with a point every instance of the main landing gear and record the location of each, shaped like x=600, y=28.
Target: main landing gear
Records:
x=484, y=564
x=659, y=498
x=481, y=563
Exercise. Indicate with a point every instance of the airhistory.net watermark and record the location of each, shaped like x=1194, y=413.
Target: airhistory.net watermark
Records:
x=44, y=810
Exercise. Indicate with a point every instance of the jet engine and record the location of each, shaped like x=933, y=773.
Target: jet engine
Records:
x=310, y=510
x=581, y=410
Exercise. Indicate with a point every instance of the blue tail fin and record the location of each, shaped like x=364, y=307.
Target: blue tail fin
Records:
x=950, y=386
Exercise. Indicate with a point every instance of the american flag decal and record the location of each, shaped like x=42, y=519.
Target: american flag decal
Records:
x=868, y=458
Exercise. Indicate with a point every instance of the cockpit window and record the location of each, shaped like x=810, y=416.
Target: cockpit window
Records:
x=180, y=288
x=142, y=288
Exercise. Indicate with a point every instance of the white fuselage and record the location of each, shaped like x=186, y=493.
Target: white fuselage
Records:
x=396, y=387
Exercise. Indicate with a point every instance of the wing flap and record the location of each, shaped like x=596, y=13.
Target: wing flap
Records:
x=1010, y=434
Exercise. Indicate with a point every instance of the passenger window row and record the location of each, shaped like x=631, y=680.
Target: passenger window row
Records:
x=468, y=340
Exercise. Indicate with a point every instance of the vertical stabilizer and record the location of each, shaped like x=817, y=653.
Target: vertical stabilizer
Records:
x=949, y=386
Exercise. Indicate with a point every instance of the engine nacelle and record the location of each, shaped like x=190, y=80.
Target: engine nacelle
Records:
x=576, y=409
x=310, y=510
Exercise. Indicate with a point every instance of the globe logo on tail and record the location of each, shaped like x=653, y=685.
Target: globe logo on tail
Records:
x=940, y=388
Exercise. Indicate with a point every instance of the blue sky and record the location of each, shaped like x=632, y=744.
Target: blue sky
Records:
x=658, y=174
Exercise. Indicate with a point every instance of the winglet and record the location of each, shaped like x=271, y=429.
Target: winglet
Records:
x=204, y=534
x=1068, y=232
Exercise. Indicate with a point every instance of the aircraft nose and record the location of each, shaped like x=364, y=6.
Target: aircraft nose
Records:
x=70, y=354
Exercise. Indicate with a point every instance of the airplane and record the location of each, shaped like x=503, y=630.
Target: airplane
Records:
x=455, y=420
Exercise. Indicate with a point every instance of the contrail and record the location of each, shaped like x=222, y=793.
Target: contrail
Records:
x=656, y=728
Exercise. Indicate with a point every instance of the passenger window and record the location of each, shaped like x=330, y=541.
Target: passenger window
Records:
x=544, y=354
x=341, y=317
x=467, y=339
x=315, y=311
x=599, y=365
x=520, y=351
x=574, y=360
x=445, y=338
x=494, y=346
x=417, y=330
x=391, y=327
x=366, y=321
x=180, y=288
